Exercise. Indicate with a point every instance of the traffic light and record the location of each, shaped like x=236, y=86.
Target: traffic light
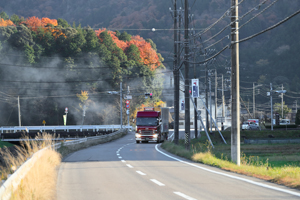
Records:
x=148, y=95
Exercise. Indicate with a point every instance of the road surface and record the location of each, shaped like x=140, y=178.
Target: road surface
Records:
x=122, y=169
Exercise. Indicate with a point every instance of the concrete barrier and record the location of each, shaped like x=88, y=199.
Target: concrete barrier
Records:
x=13, y=181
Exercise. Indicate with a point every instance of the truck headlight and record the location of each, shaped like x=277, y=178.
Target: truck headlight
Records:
x=155, y=135
x=137, y=135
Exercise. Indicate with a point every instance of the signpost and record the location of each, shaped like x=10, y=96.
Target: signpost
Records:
x=195, y=88
x=182, y=104
x=126, y=96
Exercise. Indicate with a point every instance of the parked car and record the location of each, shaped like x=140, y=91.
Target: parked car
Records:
x=284, y=122
x=253, y=126
x=250, y=126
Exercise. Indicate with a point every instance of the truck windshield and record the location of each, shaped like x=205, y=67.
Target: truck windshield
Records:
x=146, y=121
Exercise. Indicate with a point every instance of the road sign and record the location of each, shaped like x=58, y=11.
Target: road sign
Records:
x=126, y=96
x=127, y=106
x=44, y=122
x=182, y=105
x=66, y=110
x=195, y=88
x=127, y=112
x=127, y=101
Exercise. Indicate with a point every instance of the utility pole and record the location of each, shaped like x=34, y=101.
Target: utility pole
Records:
x=206, y=94
x=210, y=107
x=235, y=84
x=223, y=100
x=19, y=111
x=253, y=101
x=176, y=77
x=271, y=99
x=121, y=104
x=195, y=102
x=186, y=71
x=127, y=112
x=282, y=103
x=216, y=95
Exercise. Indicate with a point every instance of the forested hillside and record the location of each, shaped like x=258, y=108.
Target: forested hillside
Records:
x=52, y=65
x=270, y=57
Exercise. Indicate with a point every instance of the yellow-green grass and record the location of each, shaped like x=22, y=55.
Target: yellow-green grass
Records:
x=40, y=181
x=251, y=165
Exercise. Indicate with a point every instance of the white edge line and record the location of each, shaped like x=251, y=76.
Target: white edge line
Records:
x=141, y=173
x=157, y=182
x=129, y=166
x=230, y=176
x=184, y=196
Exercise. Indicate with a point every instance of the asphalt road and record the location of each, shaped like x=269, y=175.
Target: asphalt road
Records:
x=123, y=169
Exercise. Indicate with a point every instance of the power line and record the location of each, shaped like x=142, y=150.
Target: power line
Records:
x=270, y=28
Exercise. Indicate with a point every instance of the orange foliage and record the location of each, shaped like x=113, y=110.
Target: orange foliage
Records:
x=34, y=23
x=147, y=54
x=46, y=21
x=6, y=22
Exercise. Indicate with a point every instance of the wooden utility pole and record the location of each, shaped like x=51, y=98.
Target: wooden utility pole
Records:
x=176, y=78
x=216, y=96
x=223, y=99
x=235, y=85
x=253, y=100
x=186, y=71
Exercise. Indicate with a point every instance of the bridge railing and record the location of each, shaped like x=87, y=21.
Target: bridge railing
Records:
x=62, y=128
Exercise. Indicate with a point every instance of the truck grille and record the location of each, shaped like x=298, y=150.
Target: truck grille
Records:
x=147, y=133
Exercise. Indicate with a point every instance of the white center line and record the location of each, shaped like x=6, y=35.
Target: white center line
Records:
x=129, y=166
x=123, y=160
x=141, y=173
x=120, y=157
x=184, y=196
x=118, y=154
x=157, y=182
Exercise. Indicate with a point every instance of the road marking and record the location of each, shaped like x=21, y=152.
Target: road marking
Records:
x=123, y=160
x=118, y=154
x=231, y=176
x=129, y=166
x=120, y=157
x=157, y=182
x=141, y=173
x=184, y=196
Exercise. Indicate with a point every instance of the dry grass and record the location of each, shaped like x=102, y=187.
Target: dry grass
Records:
x=250, y=165
x=40, y=181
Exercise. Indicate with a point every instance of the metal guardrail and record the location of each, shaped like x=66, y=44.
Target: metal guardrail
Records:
x=63, y=128
x=14, y=180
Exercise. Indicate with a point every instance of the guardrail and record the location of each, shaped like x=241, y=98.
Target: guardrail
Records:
x=14, y=180
x=63, y=128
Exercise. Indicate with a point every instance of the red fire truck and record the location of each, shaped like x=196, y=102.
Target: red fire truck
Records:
x=152, y=125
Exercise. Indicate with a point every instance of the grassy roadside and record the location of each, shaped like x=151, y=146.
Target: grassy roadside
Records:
x=278, y=163
x=40, y=182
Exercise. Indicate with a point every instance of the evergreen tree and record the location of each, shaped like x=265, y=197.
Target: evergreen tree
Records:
x=4, y=16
